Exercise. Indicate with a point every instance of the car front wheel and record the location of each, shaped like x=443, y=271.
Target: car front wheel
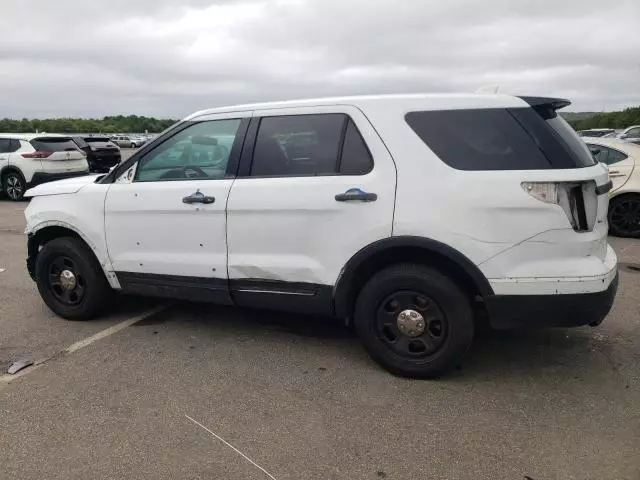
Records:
x=414, y=321
x=70, y=279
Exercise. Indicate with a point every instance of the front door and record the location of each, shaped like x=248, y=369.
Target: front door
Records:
x=315, y=186
x=165, y=216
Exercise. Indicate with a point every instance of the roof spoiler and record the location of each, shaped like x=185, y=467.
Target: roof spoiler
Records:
x=546, y=106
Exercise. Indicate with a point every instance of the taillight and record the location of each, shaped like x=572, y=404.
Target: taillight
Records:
x=579, y=200
x=37, y=154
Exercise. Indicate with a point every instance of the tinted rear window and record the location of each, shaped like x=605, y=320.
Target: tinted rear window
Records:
x=97, y=139
x=499, y=139
x=53, y=144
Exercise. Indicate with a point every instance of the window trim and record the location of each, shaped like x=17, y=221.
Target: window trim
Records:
x=247, y=157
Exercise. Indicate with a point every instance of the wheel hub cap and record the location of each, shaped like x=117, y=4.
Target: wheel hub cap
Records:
x=68, y=280
x=411, y=323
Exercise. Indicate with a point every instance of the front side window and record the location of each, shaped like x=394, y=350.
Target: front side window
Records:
x=200, y=151
x=309, y=145
x=633, y=133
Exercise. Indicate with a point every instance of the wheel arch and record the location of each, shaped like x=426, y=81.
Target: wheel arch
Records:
x=383, y=253
x=12, y=168
x=48, y=231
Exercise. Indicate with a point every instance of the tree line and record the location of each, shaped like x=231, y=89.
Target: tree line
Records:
x=621, y=119
x=114, y=124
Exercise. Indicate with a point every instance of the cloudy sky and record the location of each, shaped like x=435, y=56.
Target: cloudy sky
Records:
x=170, y=57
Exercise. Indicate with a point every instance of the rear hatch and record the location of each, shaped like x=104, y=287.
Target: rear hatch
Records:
x=102, y=145
x=58, y=155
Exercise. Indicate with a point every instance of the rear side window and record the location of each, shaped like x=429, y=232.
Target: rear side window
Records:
x=500, y=139
x=8, y=145
x=307, y=145
x=356, y=158
x=606, y=155
x=487, y=139
x=53, y=144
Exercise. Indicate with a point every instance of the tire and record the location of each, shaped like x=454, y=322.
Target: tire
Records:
x=91, y=293
x=14, y=186
x=133, y=145
x=624, y=216
x=396, y=343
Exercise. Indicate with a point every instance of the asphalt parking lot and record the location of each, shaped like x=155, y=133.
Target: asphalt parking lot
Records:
x=300, y=398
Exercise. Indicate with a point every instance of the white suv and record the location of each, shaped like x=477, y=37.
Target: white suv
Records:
x=32, y=159
x=412, y=216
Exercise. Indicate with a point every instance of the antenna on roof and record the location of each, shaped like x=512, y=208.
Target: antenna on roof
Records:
x=488, y=89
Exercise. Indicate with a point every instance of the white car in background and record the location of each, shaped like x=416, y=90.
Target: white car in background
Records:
x=630, y=134
x=27, y=160
x=621, y=158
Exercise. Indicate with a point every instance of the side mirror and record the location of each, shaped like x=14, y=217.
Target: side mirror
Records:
x=622, y=136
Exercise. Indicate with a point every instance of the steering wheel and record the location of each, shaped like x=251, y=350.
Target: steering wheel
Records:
x=199, y=172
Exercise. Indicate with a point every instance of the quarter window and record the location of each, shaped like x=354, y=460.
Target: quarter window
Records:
x=309, y=145
x=199, y=152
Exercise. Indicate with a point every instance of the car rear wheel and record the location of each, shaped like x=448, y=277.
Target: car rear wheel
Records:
x=70, y=280
x=414, y=321
x=14, y=186
x=624, y=216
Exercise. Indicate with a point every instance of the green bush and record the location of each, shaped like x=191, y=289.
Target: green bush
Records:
x=117, y=124
x=618, y=120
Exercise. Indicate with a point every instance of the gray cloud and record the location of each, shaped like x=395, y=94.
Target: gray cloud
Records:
x=170, y=57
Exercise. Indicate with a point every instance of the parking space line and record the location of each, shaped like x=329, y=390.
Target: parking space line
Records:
x=74, y=347
x=233, y=448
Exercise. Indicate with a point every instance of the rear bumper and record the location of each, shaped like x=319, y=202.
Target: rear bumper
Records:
x=44, y=177
x=560, y=310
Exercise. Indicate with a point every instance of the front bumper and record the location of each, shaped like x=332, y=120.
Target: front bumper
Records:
x=44, y=177
x=560, y=310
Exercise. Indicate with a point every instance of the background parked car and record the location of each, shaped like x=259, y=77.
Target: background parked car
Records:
x=126, y=141
x=596, y=132
x=631, y=134
x=624, y=206
x=102, y=153
x=32, y=159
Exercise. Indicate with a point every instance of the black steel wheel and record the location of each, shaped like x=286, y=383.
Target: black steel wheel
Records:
x=14, y=186
x=70, y=279
x=411, y=324
x=66, y=280
x=414, y=321
x=624, y=216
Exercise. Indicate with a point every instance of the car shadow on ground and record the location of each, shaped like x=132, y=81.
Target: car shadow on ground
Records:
x=494, y=354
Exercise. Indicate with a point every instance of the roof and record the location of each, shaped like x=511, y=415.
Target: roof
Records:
x=437, y=101
x=627, y=147
x=30, y=136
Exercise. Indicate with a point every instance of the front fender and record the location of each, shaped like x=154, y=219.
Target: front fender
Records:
x=82, y=214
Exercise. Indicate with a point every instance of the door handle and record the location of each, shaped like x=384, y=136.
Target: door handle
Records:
x=198, y=197
x=355, y=194
x=615, y=173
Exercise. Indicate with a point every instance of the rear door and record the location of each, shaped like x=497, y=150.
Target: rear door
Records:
x=315, y=186
x=620, y=164
x=58, y=155
x=6, y=147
